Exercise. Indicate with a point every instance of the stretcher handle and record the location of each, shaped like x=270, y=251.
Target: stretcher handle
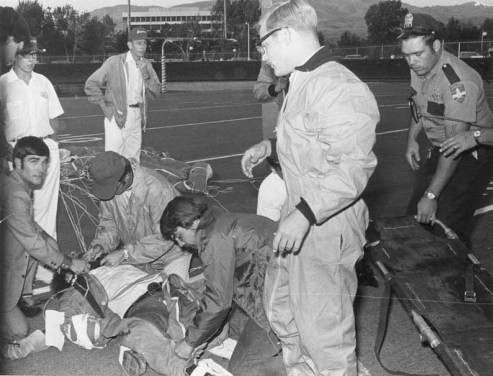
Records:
x=449, y=233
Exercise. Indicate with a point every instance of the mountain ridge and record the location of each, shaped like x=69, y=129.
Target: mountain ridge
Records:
x=336, y=16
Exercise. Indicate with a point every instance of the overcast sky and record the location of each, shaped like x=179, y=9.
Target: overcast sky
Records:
x=89, y=5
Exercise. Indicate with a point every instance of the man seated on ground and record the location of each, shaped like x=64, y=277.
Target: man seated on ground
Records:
x=132, y=201
x=23, y=242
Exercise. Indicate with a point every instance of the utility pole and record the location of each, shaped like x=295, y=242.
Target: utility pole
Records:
x=129, y=23
x=224, y=20
x=248, y=41
x=483, y=34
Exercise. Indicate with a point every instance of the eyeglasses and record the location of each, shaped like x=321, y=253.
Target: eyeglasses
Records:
x=29, y=56
x=260, y=48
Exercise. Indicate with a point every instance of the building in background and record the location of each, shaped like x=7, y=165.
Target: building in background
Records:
x=155, y=18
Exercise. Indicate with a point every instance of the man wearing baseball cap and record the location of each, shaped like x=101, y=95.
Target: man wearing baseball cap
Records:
x=121, y=87
x=133, y=199
x=447, y=98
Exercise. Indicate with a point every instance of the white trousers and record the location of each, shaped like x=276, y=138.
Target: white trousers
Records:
x=126, y=141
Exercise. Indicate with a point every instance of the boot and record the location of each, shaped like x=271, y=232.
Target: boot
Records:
x=34, y=342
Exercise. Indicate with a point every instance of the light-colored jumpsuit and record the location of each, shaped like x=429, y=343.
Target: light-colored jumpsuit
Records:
x=325, y=136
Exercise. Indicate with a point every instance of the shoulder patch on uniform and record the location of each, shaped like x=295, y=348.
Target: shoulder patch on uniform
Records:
x=450, y=74
x=458, y=92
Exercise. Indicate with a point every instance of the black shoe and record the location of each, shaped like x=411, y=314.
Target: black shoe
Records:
x=29, y=307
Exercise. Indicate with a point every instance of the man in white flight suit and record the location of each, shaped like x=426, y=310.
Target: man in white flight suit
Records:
x=325, y=136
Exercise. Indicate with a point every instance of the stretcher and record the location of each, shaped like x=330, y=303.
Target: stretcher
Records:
x=444, y=289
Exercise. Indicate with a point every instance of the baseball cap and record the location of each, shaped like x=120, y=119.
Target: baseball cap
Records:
x=30, y=47
x=418, y=24
x=137, y=34
x=106, y=169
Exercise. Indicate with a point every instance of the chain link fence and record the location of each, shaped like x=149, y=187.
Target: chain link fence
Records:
x=476, y=49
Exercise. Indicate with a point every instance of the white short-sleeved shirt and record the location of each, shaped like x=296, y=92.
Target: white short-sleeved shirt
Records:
x=27, y=108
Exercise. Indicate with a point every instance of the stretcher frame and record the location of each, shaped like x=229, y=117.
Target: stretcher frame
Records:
x=443, y=288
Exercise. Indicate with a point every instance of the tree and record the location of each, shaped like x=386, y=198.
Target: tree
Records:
x=109, y=32
x=51, y=38
x=237, y=13
x=64, y=19
x=470, y=32
x=349, y=39
x=383, y=21
x=93, y=37
x=452, y=30
x=121, y=39
x=488, y=26
x=33, y=13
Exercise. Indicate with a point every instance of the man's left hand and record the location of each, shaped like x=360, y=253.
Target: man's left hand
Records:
x=427, y=210
x=112, y=259
x=183, y=350
x=291, y=232
x=458, y=144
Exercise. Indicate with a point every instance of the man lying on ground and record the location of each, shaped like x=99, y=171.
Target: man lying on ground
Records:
x=234, y=249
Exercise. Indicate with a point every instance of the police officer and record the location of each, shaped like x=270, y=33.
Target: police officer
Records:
x=447, y=98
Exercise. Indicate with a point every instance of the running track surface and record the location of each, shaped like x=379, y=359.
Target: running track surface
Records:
x=217, y=126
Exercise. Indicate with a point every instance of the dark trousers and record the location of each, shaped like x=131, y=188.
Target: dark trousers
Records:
x=256, y=353
x=461, y=196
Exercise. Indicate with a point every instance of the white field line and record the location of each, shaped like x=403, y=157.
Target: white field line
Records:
x=396, y=105
x=173, y=126
x=170, y=110
x=483, y=210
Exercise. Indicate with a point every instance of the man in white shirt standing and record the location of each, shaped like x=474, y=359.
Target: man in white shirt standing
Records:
x=30, y=107
x=127, y=79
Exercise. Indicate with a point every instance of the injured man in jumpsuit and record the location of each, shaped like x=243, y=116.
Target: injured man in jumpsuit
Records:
x=167, y=319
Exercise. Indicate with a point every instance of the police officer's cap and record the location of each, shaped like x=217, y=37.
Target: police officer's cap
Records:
x=418, y=24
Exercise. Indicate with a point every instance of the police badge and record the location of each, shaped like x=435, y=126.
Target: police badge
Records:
x=436, y=96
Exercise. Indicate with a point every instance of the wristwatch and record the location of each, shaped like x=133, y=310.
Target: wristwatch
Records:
x=476, y=134
x=430, y=195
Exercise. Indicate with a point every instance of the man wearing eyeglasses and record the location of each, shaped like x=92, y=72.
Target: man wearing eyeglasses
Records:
x=30, y=107
x=447, y=98
x=133, y=199
x=325, y=136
